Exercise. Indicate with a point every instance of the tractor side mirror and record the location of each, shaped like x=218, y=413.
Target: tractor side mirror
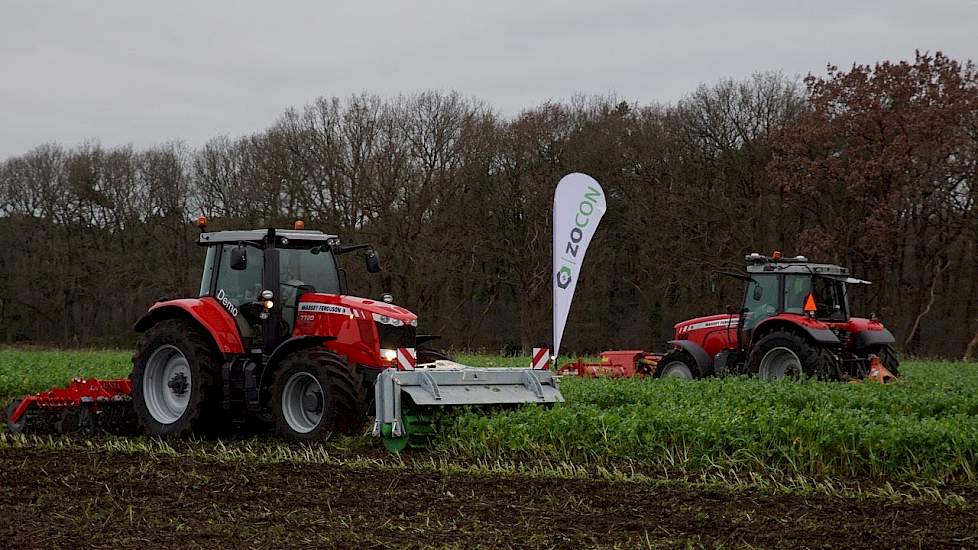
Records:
x=372, y=260
x=239, y=258
x=714, y=278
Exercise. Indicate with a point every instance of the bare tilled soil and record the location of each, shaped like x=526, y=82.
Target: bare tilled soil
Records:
x=54, y=498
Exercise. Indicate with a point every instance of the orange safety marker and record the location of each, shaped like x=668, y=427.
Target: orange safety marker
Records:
x=878, y=372
x=810, y=306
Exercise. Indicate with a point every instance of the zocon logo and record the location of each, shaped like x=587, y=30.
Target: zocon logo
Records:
x=572, y=249
x=223, y=298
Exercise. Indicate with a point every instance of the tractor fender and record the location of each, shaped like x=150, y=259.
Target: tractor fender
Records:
x=703, y=360
x=205, y=312
x=290, y=345
x=817, y=334
x=868, y=338
x=295, y=343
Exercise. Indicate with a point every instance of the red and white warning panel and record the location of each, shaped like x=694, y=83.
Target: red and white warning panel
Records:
x=406, y=358
x=541, y=359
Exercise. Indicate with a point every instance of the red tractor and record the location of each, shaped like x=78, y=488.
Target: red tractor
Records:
x=274, y=337
x=794, y=320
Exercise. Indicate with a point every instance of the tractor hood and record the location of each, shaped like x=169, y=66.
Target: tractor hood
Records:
x=709, y=322
x=381, y=311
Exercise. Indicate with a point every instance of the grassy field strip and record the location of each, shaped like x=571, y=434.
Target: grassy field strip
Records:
x=342, y=456
x=921, y=430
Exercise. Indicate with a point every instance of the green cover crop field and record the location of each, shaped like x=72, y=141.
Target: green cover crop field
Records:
x=621, y=463
x=922, y=428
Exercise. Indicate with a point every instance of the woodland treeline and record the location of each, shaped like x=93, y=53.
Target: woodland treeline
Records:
x=874, y=167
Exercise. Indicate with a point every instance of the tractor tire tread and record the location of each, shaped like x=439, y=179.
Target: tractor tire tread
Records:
x=683, y=356
x=206, y=414
x=815, y=360
x=344, y=400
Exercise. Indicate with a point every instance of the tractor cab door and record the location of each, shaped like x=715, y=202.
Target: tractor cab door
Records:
x=761, y=300
x=239, y=290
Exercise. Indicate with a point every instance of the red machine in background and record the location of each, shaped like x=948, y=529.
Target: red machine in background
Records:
x=794, y=320
x=615, y=364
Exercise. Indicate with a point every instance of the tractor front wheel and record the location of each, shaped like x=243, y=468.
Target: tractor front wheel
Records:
x=678, y=364
x=174, y=387
x=316, y=393
x=784, y=354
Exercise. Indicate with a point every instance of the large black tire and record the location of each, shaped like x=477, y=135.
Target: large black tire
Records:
x=204, y=406
x=678, y=364
x=787, y=354
x=333, y=401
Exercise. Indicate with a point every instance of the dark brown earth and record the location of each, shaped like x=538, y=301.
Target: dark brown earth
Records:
x=51, y=498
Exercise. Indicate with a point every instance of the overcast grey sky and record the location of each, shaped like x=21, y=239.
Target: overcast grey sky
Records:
x=138, y=72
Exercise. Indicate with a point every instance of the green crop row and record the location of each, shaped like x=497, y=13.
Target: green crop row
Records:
x=922, y=428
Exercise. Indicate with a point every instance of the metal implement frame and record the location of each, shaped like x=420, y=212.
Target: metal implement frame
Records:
x=446, y=383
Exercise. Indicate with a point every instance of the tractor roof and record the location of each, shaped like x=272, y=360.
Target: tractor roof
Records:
x=757, y=263
x=258, y=235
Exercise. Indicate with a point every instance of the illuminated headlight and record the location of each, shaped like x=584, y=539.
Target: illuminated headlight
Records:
x=388, y=320
x=268, y=304
x=388, y=354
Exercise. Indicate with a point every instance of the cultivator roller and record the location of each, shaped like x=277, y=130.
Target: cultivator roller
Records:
x=410, y=399
x=85, y=405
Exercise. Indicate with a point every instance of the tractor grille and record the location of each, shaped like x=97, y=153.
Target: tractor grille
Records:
x=392, y=337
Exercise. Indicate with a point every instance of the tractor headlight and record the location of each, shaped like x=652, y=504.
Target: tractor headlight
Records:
x=388, y=354
x=268, y=304
x=267, y=295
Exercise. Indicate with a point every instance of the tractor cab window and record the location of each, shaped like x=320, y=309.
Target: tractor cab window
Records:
x=306, y=270
x=239, y=287
x=208, y=276
x=761, y=300
x=796, y=291
x=830, y=299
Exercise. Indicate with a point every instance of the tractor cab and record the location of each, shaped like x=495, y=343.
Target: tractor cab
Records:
x=794, y=286
x=259, y=276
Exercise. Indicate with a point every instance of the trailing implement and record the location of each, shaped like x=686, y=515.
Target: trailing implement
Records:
x=274, y=337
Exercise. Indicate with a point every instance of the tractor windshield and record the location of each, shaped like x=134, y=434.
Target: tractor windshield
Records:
x=313, y=267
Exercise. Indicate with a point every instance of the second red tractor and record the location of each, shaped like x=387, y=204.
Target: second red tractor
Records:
x=794, y=320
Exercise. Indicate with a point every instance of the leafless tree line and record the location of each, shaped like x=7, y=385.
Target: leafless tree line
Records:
x=457, y=199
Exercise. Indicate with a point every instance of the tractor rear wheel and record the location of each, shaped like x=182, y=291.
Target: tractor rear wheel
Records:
x=316, y=393
x=175, y=391
x=678, y=364
x=785, y=354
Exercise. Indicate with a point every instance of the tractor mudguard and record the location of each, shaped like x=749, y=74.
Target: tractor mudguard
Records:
x=818, y=333
x=703, y=360
x=296, y=343
x=206, y=312
x=868, y=338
